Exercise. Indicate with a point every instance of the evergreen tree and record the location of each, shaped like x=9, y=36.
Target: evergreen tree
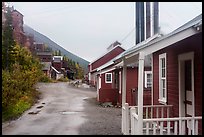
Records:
x=7, y=42
x=59, y=53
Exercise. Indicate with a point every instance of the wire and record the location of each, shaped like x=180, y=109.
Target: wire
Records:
x=128, y=34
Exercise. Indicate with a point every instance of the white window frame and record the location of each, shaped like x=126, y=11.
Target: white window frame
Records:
x=162, y=98
x=146, y=73
x=106, y=78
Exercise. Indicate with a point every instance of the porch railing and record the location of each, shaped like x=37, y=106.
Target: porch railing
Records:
x=157, y=119
x=173, y=126
x=148, y=111
x=126, y=119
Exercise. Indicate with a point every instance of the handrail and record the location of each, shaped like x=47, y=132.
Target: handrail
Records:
x=171, y=119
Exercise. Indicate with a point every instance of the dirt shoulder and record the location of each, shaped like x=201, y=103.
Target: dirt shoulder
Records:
x=101, y=120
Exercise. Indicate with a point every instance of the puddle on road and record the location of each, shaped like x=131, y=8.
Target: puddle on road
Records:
x=34, y=112
x=39, y=106
x=69, y=112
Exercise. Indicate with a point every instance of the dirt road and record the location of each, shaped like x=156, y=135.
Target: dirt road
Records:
x=66, y=110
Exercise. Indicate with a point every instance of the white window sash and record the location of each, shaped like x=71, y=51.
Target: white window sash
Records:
x=106, y=78
x=162, y=98
x=146, y=73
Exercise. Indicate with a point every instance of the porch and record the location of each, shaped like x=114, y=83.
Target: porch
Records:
x=157, y=120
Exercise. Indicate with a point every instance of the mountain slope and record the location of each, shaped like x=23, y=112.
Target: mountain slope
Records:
x=38, y=37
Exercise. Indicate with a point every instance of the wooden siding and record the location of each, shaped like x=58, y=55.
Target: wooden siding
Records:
x=57, y=65
x=107, y=57
x=194, y=44
x=108, y=95
x=132, y=81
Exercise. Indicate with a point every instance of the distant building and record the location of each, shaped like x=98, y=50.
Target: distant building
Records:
x=45, y=56
x=112, y=51
x=57, y=62
x=46, y=60
x=17, y=22
x=56, y=69
x=39, y=47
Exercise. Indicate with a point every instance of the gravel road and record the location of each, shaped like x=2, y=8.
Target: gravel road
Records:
x=66, y=110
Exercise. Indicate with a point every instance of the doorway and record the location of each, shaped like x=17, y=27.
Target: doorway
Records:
x=186, y=86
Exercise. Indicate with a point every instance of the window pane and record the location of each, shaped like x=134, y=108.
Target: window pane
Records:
x=149, y=85
x=148, y=80
x=108, y=77
x=163, y=62
x=163, y=83
x=148, y=76
x=163, y=73
x=164, y=96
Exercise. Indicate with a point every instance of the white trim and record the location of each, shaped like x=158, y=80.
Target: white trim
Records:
x=99, y=82
x=106, y=70
x=111, y=75
x=124, y=78
x=97, y=88
x=152, y=89
x=146, y=73
x=90, y=68
x=106, y=53
x=120, y=82
x=162, y=99
x=89, y=76
x=140, y=93
x=181, y=59
x=55, y=70
x=160, y=43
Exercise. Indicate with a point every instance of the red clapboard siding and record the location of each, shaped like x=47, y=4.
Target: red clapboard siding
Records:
x=108, y=95
x=110, y=55
x=194, y=44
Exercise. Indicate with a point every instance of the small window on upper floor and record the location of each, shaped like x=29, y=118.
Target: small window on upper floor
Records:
x=148, y=79
x=108, y=78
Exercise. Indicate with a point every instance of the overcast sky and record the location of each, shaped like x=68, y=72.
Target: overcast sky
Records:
x=87, y=28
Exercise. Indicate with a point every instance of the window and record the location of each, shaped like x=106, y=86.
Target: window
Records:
x=108, y=78
x=148, y=79
x=162, y=79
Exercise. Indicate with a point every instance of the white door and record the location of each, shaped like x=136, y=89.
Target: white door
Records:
x=186, y=88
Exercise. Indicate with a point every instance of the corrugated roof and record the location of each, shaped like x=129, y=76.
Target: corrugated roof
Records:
x=191, y=23
x=106, y=53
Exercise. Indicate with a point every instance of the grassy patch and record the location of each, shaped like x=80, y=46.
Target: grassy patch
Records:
x=45, y=79
x=14, y=111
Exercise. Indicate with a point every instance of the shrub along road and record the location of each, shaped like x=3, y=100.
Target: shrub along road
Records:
x=66, y=110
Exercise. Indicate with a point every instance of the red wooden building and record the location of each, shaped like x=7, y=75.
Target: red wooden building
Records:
x=112, y=51
x=109, y=83
x=177, y=84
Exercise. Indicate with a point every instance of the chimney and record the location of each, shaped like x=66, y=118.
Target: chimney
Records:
x=147, y=20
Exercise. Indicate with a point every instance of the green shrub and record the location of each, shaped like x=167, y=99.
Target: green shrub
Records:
x=62, y=79
x=45, y=79
x=17, y=84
